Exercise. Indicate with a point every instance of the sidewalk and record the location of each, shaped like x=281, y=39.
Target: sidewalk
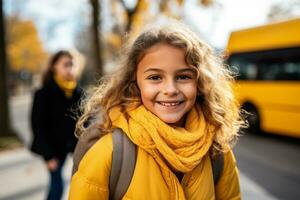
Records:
x=24, y=177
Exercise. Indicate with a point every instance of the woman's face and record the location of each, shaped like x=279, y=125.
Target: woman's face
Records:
x=64, y=68
x=167, y=84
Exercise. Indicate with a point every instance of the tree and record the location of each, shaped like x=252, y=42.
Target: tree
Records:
x=125, y=17
x=280, y=11
x=96, y=33
x=140, y=13
x=24, y=48
x=5, y=128
x=131, y=12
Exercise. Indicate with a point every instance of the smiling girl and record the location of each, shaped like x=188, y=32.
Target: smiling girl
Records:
x=172, y=98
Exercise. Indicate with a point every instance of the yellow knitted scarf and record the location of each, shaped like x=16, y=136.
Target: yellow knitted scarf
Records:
x=180, y=148
x=68, y=87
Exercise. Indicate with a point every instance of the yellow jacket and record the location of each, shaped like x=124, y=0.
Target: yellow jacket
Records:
x=91, y=181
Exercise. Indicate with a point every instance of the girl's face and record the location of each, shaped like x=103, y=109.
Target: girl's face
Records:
x=167, y=84
x=64, y=68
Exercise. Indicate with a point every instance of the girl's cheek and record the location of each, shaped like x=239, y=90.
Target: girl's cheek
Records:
x=149, y=91
x=189, y=89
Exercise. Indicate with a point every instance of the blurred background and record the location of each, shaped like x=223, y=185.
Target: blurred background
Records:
x=260, y=40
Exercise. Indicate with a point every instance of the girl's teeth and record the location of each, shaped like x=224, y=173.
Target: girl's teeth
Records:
x=169, y=104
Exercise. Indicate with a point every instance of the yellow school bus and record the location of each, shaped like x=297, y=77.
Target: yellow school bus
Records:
x=267, y=62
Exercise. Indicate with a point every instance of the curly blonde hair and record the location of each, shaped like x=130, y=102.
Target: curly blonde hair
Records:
x=215, y=95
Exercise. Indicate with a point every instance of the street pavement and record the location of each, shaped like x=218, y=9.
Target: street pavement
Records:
x=23, y=176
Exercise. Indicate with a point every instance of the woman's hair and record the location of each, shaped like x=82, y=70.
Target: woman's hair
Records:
x=214, y=80
x=53, y=60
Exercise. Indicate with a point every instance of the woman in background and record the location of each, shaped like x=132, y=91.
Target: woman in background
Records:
x=53, y=118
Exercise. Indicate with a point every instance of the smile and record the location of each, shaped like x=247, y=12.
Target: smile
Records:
x=170, y=104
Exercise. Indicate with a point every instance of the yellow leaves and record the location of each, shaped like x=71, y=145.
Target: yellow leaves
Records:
x=114, y=40
x=145, y=12
x=180, y=2
x=24, y=47
x=143, y=5
x=142, y=15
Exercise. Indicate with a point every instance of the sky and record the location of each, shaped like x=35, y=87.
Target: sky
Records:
x=217, y=22
x=58, y=21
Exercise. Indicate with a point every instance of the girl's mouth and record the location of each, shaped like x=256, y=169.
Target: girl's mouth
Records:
x=170, y=104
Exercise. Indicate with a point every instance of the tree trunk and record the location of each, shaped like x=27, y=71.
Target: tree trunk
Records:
x=130, y=13
x=5, y=129
x=96, y=35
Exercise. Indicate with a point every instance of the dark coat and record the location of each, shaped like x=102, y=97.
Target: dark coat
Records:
x=52, y=121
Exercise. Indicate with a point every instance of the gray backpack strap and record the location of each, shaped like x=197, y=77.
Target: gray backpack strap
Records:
x=123, y=164
x=217, y=167
x=116, y=161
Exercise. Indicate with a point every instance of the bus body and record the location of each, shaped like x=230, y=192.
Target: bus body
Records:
x=267, y=61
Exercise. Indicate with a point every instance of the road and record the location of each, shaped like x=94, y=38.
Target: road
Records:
x=271, y=161
x=269, y=166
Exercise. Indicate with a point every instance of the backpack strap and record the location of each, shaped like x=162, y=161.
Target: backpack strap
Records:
x=123, y=164
x=217, y=167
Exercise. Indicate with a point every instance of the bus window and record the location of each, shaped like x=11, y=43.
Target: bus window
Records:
x=282, y=71
x=270, y=71
x=244, y=69
x=292, y=70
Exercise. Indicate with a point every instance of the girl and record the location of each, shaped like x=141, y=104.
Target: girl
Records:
x=51, y=120
x=172, y=98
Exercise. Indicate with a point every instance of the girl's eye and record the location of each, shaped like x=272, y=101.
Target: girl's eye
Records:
x=183, y=77
x=154, y=78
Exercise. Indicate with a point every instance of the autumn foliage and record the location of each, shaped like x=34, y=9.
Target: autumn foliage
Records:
x=24, y=47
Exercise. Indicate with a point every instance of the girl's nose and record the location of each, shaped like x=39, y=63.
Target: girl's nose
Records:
x=170, y=89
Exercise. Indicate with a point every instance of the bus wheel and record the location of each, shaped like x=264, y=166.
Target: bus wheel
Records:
x=252, y=118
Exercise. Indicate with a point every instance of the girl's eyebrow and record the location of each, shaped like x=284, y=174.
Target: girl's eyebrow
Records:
x=153, y=69
x=185, y=70
x=160, y=70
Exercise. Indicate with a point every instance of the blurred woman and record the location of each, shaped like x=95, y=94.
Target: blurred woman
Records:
x=53, y=118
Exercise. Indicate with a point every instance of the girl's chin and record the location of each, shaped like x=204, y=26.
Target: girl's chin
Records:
x=173, y=121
